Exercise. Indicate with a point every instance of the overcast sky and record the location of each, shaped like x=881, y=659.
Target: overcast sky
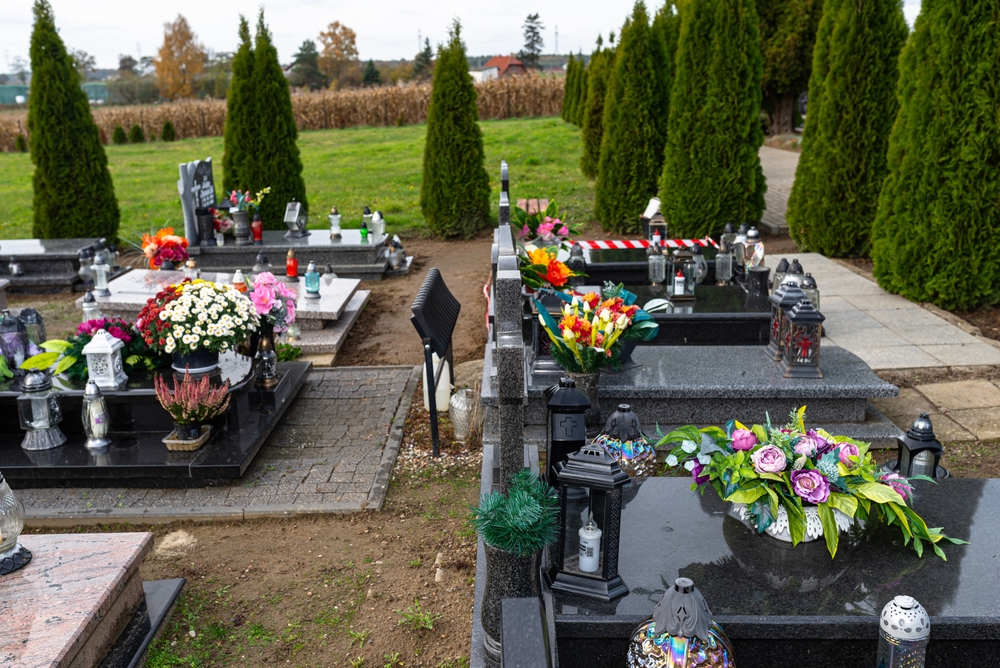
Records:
x=386, y=29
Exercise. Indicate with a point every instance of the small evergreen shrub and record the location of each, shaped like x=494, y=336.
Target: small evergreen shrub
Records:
x=136, y=135
x=168, y=133
x=118, y=137
x=524, y=520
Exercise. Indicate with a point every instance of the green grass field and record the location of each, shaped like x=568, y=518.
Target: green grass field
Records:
x=348, y=168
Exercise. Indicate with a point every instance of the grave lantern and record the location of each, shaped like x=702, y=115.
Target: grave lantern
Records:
x=738, y=242
x=13, y=555
x=576, y=262
x=701, y=264
x=312, y=281
x=293, y=333
x=809, y=287
x=919, y=451
x=206, y=226
x=34, y=325
x=782, y=299
x=14, y=343
x=334, y=224
x=86, y=258
x=191, y=270
x=903, y=633
x=267, y=376
x=723, y=267
x=102, y=274
x=104, y=360
x=38, y=408
x=779, y=274
x=96, y=422
x=800, y=357
x=795, y=274
x=366, y=217
x=658, y=226
x=585, y=560
x=14, y=267
x=291, y=267
x=241, y=226
x=657, y=263
x=753, y=250
x=623, y=438
x=257, y=230
x=567, y=408
x=261, y=264
x=101, y=252
x=240, y=282
x=728, y=238
x=90, y=309
x=684, y=271
x=378, y=224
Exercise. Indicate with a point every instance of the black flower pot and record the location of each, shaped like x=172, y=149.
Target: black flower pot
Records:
x=200, y=361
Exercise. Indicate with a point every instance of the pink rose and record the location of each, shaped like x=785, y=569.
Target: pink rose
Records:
x=545, y=230
x=290, y=318
x=847, y=450
x=811, y=486
x=263, y=299
x=744, y=439
x=898, y=483
x=564, y=231
x=525, y=232
x=806, y=445
x=769, y=459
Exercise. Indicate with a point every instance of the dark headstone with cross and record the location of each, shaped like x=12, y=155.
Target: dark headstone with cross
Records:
x=197, y=190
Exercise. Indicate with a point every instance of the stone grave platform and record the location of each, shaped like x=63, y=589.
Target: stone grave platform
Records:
x=50, y=265
x=137, y=456
x=350, y=257
x=325, y=322
x=797, y=606
x=677, y=385
x=81, y=602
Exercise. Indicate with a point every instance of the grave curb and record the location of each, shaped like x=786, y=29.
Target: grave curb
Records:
x=376, y=497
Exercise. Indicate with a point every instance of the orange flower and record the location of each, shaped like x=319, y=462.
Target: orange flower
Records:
x=540, y=256
x=592, y=299
x=557, y=274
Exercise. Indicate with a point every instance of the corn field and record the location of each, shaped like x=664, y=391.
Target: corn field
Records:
x=514, y=97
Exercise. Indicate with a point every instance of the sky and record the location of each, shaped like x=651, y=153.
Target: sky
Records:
x=386, y=29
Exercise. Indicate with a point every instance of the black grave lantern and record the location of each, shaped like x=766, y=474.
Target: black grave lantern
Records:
x=567, y=430
x=782, y=300
x=577, y=263
x=585, y=560
x=206, y=226
x=800, y=357
x=34, y=325
x=919, y=451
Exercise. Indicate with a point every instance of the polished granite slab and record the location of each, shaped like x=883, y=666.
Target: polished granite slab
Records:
x=70, y=604
x=129, y=651
x=129, y=293
x=776, y=602
x=23, y=249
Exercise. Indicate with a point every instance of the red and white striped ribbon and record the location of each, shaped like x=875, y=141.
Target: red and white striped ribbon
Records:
x=608, y=244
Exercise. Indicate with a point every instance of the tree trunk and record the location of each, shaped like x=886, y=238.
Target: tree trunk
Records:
x=784, y=105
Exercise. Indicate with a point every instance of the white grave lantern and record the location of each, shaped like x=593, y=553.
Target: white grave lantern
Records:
x=104, y=360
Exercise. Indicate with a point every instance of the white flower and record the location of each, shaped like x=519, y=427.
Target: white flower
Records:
x=605, y=315
x=567, y=310
x=568, y=334
x=689, y=465
x=704, y=460
x=622, y=321
x=671, y=460
x=689, y=446
x=586, y=307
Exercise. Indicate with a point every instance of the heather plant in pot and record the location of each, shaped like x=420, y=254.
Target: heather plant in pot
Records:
x=191, y=402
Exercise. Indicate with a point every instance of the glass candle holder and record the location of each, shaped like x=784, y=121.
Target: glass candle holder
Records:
x=312, y=281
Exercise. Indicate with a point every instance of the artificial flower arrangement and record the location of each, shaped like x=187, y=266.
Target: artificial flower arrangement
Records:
x=164, y=245
x=67, y=355
x=242, y=201
x=523, y=521
x=588, y=336
x=198, y=314
x=221, y=223
x=540, y=268
x=768, y=468
x=549, y=226
x=272, y=301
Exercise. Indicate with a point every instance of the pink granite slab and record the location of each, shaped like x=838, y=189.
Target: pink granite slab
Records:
x=69, y=604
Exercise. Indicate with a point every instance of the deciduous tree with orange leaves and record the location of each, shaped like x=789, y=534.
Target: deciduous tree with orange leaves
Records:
x=181, y=58
x=339, y=57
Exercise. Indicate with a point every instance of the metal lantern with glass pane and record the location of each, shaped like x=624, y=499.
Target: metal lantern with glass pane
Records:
x=800, y=358
x=102, y=274
x=809, y=287
x=585, y=560
x=38, y=408
x=782, y=299
x=658, y=226
x=684, y=271
x=104, y=360
x=657, y=263
x=295, y=221
x=13, y=555
x=91, y=311
x=14, y=343
x=34, y=325
x=919, y=451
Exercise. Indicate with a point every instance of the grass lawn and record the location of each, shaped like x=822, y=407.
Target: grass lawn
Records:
x=348, y=168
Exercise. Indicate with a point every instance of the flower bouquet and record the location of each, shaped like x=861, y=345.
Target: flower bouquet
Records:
x=198, y=315
x=272, y=301
x=242, y=201
x=221, y=223
x=190, y=403
x=783, y=474
x=540, y=268
x=548, y=227
x=164, y=246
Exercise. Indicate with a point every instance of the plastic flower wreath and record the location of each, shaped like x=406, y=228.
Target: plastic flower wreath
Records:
x=273, y=301
x=767, y=468
x=243, y=201
x=164, y=245
x=540, y=268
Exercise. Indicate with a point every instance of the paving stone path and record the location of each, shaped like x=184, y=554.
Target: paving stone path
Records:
x=332, y=451
x=779, y=170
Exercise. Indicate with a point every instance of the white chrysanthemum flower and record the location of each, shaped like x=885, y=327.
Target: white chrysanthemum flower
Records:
x=671, y=460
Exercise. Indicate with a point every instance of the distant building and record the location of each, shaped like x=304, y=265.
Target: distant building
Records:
x=485, y=74
x=507, y=66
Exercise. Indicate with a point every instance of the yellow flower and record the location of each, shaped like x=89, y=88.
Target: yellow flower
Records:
x=539, y=256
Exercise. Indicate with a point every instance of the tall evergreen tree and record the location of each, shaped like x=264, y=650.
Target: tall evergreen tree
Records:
x=305, y=71
x=371, y=76
x=275, y=161
x=569, y=90
x=627, y=171
x=237, y=135
x=580, y=103
x=935, y=234
x=601, y=63
x=666, y=32
x=533, y=42
x=423, y=64
x=455, y=190
x=787, y=35
x=852, y=107
x=73, y=192
x=711, y=169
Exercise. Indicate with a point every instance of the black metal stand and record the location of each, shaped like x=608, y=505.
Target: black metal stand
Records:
x=433, y=378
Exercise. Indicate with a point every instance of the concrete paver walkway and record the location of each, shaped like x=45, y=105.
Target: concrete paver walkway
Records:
x=332, y=451
x=779, y=170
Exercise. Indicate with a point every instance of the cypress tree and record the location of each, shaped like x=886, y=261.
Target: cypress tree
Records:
x=569, y=93
x=934, y=236
x=136, y=134
x=169, y=133
x=601, y=63
x=787, y=35
x=118, y=136
x=73, y=192
x=666, y=31
x=237, y=139
x=455, y=190
x=711, y=170
x=580, y=103
x=852, y=106
x=275, y=160
x=627, y=171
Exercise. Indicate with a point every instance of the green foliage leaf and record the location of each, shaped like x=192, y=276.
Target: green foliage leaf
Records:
x=40, y=361
x=746, y=496
x=64, y=364
x=830, y=532
x=56, y=345
x=5, y=371
x=845, y=503
x=880, y=493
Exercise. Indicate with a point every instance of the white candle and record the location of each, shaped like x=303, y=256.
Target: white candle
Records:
x=679, y=283
x=590, y=547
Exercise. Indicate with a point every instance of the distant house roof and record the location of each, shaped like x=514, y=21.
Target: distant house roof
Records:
x=506, y=65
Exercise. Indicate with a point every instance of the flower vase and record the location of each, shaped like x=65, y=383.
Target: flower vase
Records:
x=539, y=242
x=199, y=361
x=167, y=265
x=241, y=227
x=779, y=527
x=508, y=575
x=587, y=383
